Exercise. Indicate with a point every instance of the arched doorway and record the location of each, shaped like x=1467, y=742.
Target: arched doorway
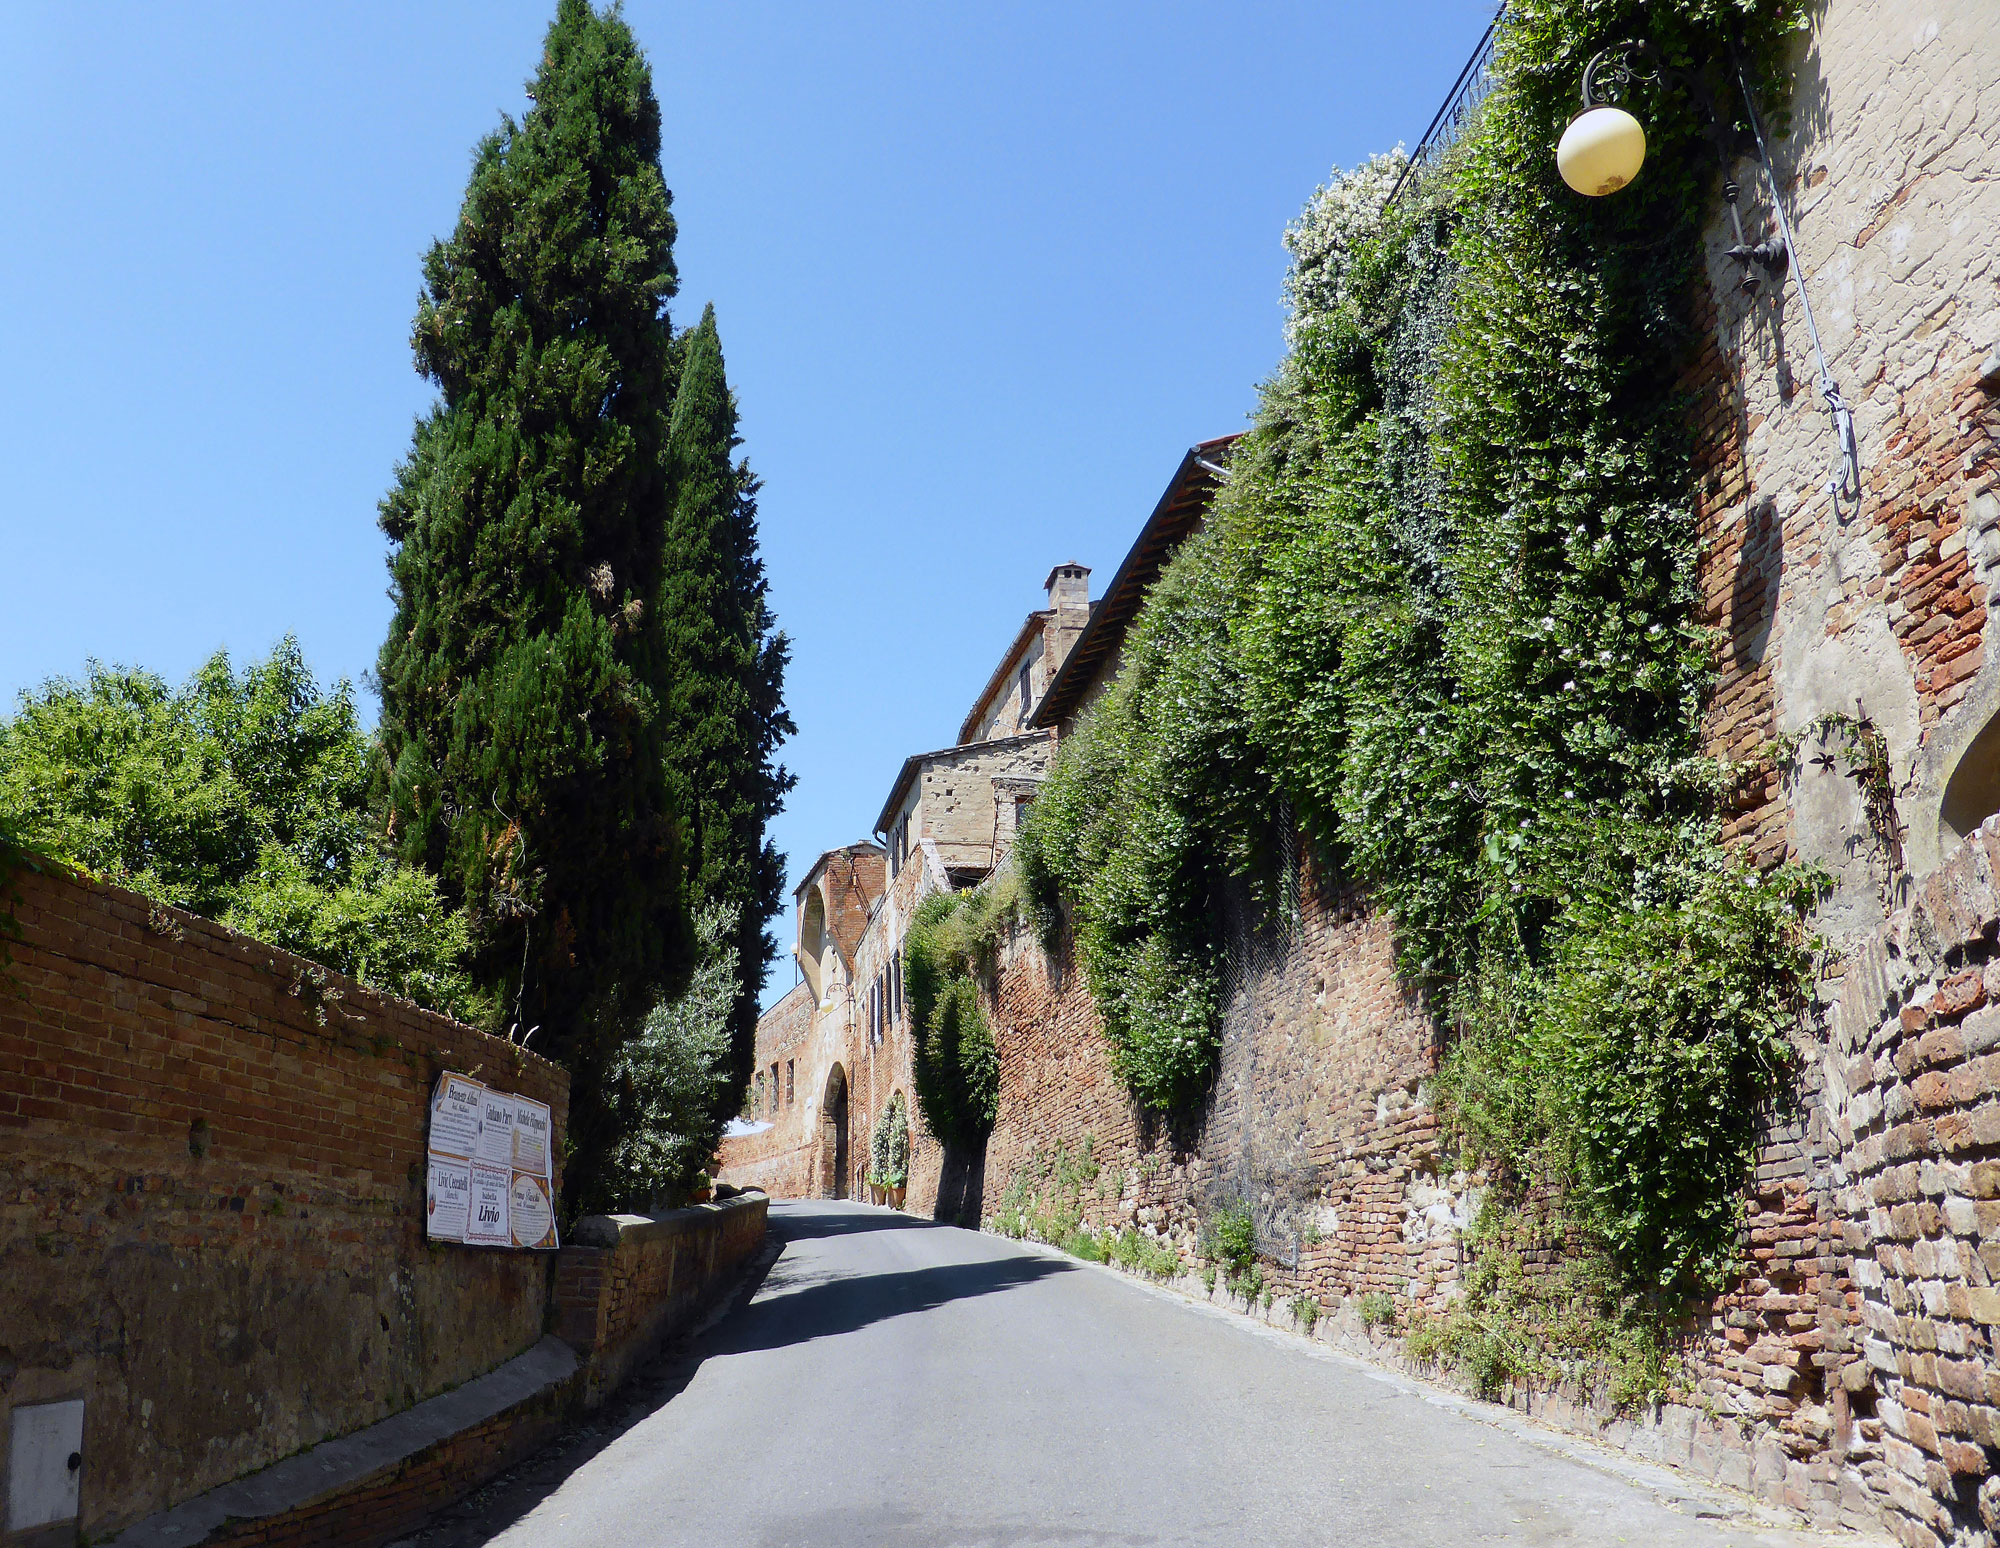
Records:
x=833, y=1136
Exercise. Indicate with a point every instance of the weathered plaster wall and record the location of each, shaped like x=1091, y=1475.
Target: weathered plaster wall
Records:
x=957, y=806
x=1877, y=607
x=212, y=1198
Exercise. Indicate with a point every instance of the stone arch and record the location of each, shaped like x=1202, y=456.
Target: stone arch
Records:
x=812, y=941
x=833, y=1148
x=1972, y=793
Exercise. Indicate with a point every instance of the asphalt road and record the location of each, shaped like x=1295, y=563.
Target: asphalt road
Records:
x=896, y=1383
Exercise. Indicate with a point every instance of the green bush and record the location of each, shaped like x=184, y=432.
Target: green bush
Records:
x=245, y=797
x=955, y=1063
x=1230, y=1238
x=1377, y=1309
x=1133, y=1249
x=664, y=1085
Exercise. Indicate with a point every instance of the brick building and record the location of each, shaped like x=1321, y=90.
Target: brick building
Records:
x=1854, y=1374
x=833, y=1052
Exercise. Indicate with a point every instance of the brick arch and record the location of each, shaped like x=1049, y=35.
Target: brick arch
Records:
x=833, y=1141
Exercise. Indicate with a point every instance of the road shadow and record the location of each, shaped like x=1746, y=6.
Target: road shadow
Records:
x=830, y=1307
x=751, y=1320
x=795, y=1223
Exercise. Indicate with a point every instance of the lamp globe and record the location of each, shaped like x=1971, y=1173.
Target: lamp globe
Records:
x=1601, y=150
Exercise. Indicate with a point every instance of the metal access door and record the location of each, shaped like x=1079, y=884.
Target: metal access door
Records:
x=44, y=1464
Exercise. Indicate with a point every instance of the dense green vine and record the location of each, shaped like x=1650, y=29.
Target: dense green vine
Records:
x=955, y=1065
x=1444, y=611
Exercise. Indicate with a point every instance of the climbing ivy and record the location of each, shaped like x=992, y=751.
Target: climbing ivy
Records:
x=1444, y=613
x=954, y=1063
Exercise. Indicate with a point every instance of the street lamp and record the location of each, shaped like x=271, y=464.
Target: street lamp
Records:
x=1604, y=147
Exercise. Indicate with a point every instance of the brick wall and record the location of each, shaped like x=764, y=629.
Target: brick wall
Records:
x=1320, y=1121
x=625, y=1286
x=628, y=1281
x=212, y=1198
x=1910, y=1103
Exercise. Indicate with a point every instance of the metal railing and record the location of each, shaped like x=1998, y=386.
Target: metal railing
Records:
x=1467, y=92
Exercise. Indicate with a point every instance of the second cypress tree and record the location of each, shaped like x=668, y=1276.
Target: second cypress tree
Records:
x=724, y=714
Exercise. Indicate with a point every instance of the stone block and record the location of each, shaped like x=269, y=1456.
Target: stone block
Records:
x=1959, y=994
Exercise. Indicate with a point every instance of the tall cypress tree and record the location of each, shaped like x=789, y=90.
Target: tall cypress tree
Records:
x=725, y=710
x=525, y=672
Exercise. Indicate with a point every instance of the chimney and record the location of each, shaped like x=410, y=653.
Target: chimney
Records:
x=1068, y=587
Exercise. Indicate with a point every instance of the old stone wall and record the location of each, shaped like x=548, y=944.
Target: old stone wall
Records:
x=212, y=1198
x=624, y=1286
x=627, y=1282
x=779, y=1151
x=1910, y=1102
x=1320, y=1122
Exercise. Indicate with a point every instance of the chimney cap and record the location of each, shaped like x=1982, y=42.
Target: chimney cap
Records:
x=1070, y=570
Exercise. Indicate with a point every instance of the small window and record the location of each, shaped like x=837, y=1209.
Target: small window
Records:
x=896, y=987
x=1026, y=704
x=791, y=1089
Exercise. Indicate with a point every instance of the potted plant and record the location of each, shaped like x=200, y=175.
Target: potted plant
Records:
x=889, y=1154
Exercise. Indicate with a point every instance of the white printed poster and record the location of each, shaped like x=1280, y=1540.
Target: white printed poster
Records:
x=456, y=1110
x=488, y=1226
x=448, y=1199
x=530, y=1213
x=531, y=1138
x=496, y=1129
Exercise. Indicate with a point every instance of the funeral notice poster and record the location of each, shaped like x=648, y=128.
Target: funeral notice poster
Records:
x=456, y=1108
x=530, y=1213
x=448, y=1199
x=490, y=1179
x=496, y=1129
x=488, y=1226
x=531, y=1138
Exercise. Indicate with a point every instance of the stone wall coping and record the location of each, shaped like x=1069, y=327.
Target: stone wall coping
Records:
x=336, y=1465
x=631, y=1230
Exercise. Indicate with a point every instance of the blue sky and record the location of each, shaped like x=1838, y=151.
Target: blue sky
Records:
x=982, y=273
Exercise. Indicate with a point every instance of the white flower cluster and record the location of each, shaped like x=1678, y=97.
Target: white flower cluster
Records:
x=1338, y=215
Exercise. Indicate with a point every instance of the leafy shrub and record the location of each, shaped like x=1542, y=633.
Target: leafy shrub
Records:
x=1580, y=1325
x=243, y=797
x=1230, y=1238
x=1229, y=1241
x=664, y=1084
x=1377, y=1309
x=1133, y=1249
x=955, y=1063
x=1305, y=1311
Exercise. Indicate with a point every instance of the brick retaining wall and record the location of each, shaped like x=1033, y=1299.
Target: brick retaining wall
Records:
x=212, y=1200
